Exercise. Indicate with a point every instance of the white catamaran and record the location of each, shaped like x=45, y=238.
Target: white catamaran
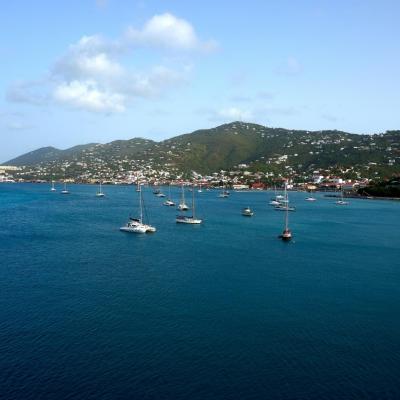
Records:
x=186, y=219
x=136, y=225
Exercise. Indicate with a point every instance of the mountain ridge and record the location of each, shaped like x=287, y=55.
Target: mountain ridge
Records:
x=224, y=148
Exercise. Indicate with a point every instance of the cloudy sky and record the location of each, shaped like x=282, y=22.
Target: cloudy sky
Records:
x=97, y=70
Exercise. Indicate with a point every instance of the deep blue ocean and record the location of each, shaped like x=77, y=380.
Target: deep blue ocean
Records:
x=223, y=310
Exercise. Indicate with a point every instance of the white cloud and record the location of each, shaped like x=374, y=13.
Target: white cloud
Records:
x=92, y=74
x=170, y=32
x=88, y=96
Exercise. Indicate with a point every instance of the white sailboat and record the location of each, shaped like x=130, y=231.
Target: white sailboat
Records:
x=284, y=202
x=100, y=192
x=185, y=219
x=224, y=193
x=286, y=235
x=136, y=225
x=53, y=189
x=65, y=190
x=169, y=202
x=247, y=212
x=182, y=206
x=342, y=201
x=199, y=188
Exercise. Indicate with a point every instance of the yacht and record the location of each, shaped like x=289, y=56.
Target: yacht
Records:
x=169, y=202
x=137, y=225
x=100, y=192
x=182, y=206
x=311, y=198
x=65, y=190
x=286, y=235
x=342, y=201
x=247, y=212
x=186, y=219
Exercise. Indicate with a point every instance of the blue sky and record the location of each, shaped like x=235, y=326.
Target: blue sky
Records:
x=98, y=70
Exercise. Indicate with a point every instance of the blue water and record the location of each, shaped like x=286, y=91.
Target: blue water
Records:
x=224, y=310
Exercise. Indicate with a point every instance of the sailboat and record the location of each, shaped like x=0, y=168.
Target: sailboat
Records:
x=310, y=198
x=247, y=212
x=169, y=202
x=342, y=202
x=224, y=193
x=284, y=202
x=277, y=199
x=65, y=190
x=53, y=189
x=199, y=188
x=286, y=235
x=185, y=219
x=100, y=192
x=136, y=225
x=182, y=205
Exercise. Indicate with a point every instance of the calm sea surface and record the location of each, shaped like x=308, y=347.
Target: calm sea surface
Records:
x=224, y=310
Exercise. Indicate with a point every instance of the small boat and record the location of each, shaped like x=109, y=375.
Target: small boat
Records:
x=247, y=212
x=53, y=189
x=136, y=225
x=286, y=235
x=199, y=190
x=161, y=194
x=285, y=207
x=169, y=202
x=182, y=206
x=311, y=198
x=65, y=190
x=274, y=203
x=224, y=193
x=342, y=201
x=186, y=219
x=100, y=192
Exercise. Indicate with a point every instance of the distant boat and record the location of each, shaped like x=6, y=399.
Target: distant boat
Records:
x=311, y=198
x=65, y=190
x=182, y=205
x=277, y=199
x=199, y=188
x=286, y=235
x=342, y=201
x=53, y=189
x=100, y=192
x=224, y=193
x=137, y=225
x=185, y=219
x=247, y=212
x=169, y=202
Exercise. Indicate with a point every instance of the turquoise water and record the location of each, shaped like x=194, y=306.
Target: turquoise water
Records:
x=224, y=310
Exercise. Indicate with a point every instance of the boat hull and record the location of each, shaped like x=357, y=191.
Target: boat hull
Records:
x=188, y=220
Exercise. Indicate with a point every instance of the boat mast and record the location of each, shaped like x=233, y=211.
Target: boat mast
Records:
x=287, y=209
x=183, y=195
x=193, y=202
x=140, y=203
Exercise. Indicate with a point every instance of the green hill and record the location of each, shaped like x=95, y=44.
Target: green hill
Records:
x=256, y=147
